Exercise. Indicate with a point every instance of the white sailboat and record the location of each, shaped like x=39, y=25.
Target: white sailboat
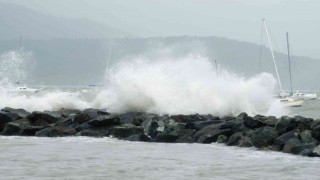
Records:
x=285, y=99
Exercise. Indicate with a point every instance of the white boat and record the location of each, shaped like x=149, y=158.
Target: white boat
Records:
x=287, y=100
x=306, y=96
x=25, y=89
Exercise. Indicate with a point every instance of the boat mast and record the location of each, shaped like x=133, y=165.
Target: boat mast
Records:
x=274, y=61
x=291, y=92
x=108, y=61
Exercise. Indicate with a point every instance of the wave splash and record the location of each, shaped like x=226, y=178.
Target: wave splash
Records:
x=186, y=86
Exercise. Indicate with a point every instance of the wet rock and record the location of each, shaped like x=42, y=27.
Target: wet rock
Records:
x=316, y=132
x=151, y=127
x=67, y=122
x=186, y=136
x=306, y=137
x=263, y=137
x=211, y=133
x=43, y=132
x=285, y=124
x=31, y=130
x=68, y=112
x=125, y=131
x=105, y=120
x=295, y=146
x=60, y=131
x=316, y=151
x=268, y=120
x=95, y=132
x=188, y=118
x=240, y=139
x=11, y=129
x=6, y=117
x=20, y=112
x=47, y=116
x=133, y=118
x=83, y=126
x=89, y=114
x=250, y=122
x=281, y=140
x=222, y=139
x=201, y=124
x=138, y=137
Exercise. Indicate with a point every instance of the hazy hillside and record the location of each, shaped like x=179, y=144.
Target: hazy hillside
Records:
x=83, y=61
x=20, y=21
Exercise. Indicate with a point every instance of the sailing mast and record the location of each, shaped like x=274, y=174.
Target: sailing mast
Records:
x=291, y=92
x=274, y=61
x=108, y=61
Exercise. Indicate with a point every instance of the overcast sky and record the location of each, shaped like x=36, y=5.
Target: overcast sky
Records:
x=235, y=19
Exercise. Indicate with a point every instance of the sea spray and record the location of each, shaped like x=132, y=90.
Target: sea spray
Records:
x=185, y=86
x=14, y=68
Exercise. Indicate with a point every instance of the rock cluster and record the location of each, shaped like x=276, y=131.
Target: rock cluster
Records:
x=296, y=135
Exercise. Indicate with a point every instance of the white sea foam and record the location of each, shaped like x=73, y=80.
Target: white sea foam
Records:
x=185, y=86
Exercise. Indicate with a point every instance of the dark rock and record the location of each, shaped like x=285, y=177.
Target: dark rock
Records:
x=60, y=131
x=201, y=124
x=285, y=124
x=267, y=120
x=11, y=129
x=295, y=146
x=47, y=116
x=138, y=137
x=316, y=151
x=281, y=140
x=133, y=118
x=6, y=117
x=188, y=118
x=95, y=132
x=125, y=131
x=31, y=130
x=263, y=137
x=68, y=112
x=307, y=152
x=151, y=127
x=105, y=120
x=250, y=122
x=211, y=133
x=316, y=132
x=67, y=122
x=185, y=136
x=222, y=139
x=306, y=137
x=43, y=132
x=240, y=139
x=303, y=123
x=88, y=114
x=83, y=126
x=20, y=112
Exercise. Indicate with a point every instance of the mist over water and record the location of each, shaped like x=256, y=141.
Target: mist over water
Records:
x=185, y=86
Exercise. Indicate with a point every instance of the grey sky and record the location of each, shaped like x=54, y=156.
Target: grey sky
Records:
x=236, y=19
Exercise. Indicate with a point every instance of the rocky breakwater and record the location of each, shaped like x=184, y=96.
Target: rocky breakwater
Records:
x=296, y=135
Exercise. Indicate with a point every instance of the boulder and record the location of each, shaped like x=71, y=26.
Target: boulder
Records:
x=250, y=122
x=125, y=131
x=47, y=116
x=240, y=139
x=11, y=129
x=6, y=117
x=104, y=120
x=201, y=124
x=316, y=151
x=267, y=120
x=211, y=133
x=172, y=132
x=295, y=146
x=20, y=112
x=83, y=126
x=263, y=137
x=68, y=112
x=31, y=130
x=89, y=114
x=186, y=136
x=281, y=140
x=188, y=118
x=43, y=132
x=138, y=137
x=135, y=118
x=306, y=137
x=222, y=139
x=60, y=131
x=316, y=131
x=285, y=124
x=95, y=132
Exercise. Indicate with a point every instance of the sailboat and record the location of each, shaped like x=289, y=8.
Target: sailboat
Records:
x=287, y=100
x=24, y=89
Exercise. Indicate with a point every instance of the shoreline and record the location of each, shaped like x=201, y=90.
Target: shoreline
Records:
x=296, y=135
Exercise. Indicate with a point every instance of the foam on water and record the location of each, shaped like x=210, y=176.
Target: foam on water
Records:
x=185, y=86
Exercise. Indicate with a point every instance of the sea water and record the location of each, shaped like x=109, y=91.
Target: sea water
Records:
x=107, y=158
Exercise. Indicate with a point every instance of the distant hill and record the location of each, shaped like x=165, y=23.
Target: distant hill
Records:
x=18, y=21
x=83, y=61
